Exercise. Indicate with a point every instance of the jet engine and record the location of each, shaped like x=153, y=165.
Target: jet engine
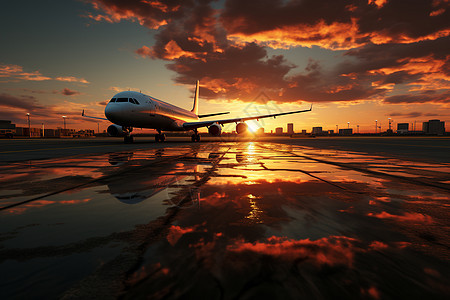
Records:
x=115, y=130
x=215, y=129
x=241, y=128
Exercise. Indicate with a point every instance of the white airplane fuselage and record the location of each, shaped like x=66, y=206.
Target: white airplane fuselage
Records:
x=149, y=113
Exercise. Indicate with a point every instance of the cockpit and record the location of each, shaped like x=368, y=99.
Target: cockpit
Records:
x=131, y=100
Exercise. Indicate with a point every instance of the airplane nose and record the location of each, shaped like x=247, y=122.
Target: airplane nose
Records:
x=112, y=113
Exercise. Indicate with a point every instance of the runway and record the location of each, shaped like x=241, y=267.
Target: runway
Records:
x=225, y=219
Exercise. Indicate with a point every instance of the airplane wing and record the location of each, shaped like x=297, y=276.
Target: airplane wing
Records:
x=193, y=125
x=82, y=114
x=216, y=114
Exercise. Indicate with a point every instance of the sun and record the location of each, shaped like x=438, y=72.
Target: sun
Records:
x=253, y=127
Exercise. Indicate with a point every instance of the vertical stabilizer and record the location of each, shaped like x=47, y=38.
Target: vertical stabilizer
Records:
x=195, y=108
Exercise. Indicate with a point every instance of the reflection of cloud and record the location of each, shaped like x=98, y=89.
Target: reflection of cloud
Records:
x=334, y=250
x=41, y=203
x=407, y=217
x=176, y=232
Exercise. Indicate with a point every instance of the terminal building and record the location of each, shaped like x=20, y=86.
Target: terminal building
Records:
x=317, y=130
x=402, y=128
x=434, y=127
x=346, y=131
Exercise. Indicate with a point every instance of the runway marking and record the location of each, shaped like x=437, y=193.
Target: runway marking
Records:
x=43, y=149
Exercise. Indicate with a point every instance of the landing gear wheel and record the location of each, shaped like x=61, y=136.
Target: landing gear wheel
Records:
x=128, y=139
x=195, y=137
x=160, y=137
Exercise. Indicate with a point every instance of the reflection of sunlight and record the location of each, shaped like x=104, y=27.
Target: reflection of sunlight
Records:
x=251, y=148
x=255, y=211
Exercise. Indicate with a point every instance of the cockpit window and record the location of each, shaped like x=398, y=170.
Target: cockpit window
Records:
x=132, y=101
x=137, y=102
x=122, y=100
x=112, y=100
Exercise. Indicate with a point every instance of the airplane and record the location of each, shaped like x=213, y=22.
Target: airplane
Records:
x=129, y=109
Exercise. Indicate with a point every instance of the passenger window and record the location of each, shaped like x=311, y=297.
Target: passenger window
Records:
x=112, y=100
x=122, y=100
x=137, y=102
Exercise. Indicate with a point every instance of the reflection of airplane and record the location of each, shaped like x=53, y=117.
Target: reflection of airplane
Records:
x=117, y=159
x=132, y=109
x=137, y=187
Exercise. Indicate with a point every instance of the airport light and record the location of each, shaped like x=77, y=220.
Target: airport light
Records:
x=29, y=126
x=389, y=124
x=64, y=118
x=376, y=126
x=348, y=125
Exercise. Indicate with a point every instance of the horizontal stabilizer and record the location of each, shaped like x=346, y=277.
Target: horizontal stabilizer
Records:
x=216, y=114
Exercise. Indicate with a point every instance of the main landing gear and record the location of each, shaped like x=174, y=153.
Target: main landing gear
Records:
x=195, y=137
x=160, y=137
x=128, y=138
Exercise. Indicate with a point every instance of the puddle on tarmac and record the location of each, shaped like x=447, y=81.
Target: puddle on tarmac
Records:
x=230, y=220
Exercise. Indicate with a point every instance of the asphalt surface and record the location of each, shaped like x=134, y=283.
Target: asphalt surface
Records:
x=225, y=219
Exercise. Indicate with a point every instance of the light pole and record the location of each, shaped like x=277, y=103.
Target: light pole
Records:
x=64, y=118
x=357, y=128
x=29, y=127
x=348, y=125
x=389, y=119
x=376, y=126
x=337, y=129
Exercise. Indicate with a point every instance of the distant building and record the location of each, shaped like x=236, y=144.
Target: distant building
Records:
x=402, y=128
x=290, y=128
x=24, y=131
x=279, y=130
x=330, y=132
x=7, y=129
x=433, y=127
x=49, y=132
x=316, y=130
x=346, y=131
x=303, y=131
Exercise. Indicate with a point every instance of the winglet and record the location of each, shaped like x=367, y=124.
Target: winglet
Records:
x=310, y=107
x=195, y=107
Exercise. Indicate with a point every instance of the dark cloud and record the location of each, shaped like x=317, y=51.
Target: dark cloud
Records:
x=413, y=114
x=429, y=96
x=391, y=43
x=364, y=21
x=24, y=102
x=69, y=92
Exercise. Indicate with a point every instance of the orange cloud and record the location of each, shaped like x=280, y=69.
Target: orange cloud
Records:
x=176, y=232
x=16, y=72
x=407, y=217
x=334, y=250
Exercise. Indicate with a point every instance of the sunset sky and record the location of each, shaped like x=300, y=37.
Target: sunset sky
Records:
x=356, y=61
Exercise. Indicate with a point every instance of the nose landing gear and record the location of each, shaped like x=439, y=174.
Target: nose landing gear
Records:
x=128, y=138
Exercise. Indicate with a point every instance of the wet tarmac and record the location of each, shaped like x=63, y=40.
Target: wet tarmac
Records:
x=229, y=220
